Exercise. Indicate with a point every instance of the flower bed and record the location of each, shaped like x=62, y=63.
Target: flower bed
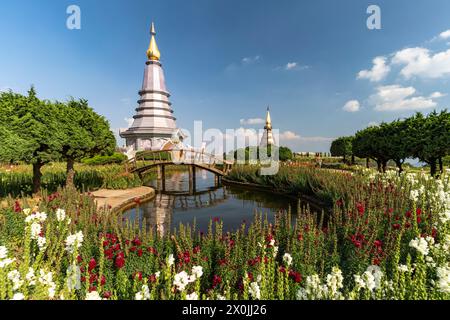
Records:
x=387, y=239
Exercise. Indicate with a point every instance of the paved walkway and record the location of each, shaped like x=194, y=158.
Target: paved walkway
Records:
x=121, y=199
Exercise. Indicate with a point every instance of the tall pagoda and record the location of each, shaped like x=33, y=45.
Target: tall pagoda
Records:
x=154, y=126
x=267, y=138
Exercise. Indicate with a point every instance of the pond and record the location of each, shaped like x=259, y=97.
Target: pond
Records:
x=175, y=204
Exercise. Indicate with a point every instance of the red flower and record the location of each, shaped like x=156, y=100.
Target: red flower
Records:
x=396, y=226
x=17, y=207
x=339, y=202
x=120, y=261
x=105, y=243
x=92, y=289
x=107, y=295
x=408, y=214
x=250, y=276
x=196, y=250
x=152, y=250
x=92, y=264
x=216, y=280
x=137, y=242
x=83, y=278
x=360, y=208
x=222, y=262
x=376, y=261
x=378, y=243
x=138, y=274
x=93, y=278
x=418, y=211
x=296, y=276
x=140, y=252
x=79, y=259
x=216, y=219
x=282, y=269
x=133, y=249
x=103, y=281
x=419, y=219
x=152, y=278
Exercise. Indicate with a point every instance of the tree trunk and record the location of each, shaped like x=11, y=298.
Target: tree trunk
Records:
x=384, y=163
x=367, y=163
x=70, y=172
x=399, y=164
x=433, y=167
x=353, y=159
x=37, y=175
x=344, y=159
x=441, y=166
x=379, y=166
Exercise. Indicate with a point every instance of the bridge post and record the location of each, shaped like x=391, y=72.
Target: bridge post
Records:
x=192, y=179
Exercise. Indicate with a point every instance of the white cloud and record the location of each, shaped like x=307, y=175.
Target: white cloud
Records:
x=378, y=72
x=351, y=106
x=289, y=135
x=250, y=60
x=445, y=35
x=291, y=66
x=398, y=98
x=437, y=94
x=252, y=121
x=421, y=62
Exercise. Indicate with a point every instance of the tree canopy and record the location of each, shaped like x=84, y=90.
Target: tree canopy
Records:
x=38, y=131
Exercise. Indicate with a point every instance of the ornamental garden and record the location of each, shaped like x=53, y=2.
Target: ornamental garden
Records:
x=383, y=233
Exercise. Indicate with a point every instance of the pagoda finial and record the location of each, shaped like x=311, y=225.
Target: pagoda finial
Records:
x=153, y=52
x=268, y=119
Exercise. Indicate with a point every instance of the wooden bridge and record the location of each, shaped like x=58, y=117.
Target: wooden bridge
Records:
x=147, y=160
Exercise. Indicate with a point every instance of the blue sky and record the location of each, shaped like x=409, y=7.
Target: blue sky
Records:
x=227, y=60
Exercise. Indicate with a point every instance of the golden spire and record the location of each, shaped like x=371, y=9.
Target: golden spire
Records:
x=268, y=119
x=153, y=52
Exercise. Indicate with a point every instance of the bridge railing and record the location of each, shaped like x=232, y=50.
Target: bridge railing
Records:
x=176, y=156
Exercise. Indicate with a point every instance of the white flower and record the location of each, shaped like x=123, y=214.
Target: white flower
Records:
x=18, y=296
x=334, y=282
x=360, y=283
x=6, y=262
x=254, y=291
x=420, y=244
x=144, y=294
x=14, y=276
x=72, y=239
x=35, y=230
x=41, y=241
x=272, y=242
x=93, y=295
x=287, y=258
x=220, y=297
x=192, y=296
x=275, y=251
x=3, y=252
x=403, y=268
x=31, y=277
x=197, y=271
x=181, y=280
x=443, y=274
x=60, y=214
x=170, y=260
x=157, y=274
x=73, y=277
x=26, y=211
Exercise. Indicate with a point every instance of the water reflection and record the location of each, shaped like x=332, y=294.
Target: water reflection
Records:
x=174, y=204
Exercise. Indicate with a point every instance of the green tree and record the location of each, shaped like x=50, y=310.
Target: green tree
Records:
x=342, y=147
x=372, y=143
x=397, y=145
x=86, y=134
x=431, y=138
x=32, y=134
